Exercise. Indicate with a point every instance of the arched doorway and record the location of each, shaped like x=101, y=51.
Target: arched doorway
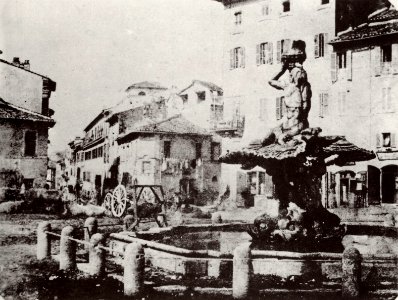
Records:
x=389, y=184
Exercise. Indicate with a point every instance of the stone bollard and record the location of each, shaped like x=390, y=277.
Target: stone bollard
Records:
x=96, y=255
x=67, y=249
x=242, y=271
x=351, y=277
x=216, y=218
x=128, y=221
x=43, y=241
x=134, y=267
x=90, y=228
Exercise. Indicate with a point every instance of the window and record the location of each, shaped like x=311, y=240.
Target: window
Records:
x=237, y=58
x=387, y=105
x=324, y=2
x=215, y=151
x=320, y=46
x=30, y=143
x=282, y=47
x=146, y=167
x=264, y=54
x=167, y=149
x=280, y=107
x=386, y=140
x=238, y=18
x=323, y=104
x=141, y=93
x=100, y=152
x=201, y=96
x=342, y=60
x=286, y=6
x=386, y=53
x=342, y=102
x=198, y=150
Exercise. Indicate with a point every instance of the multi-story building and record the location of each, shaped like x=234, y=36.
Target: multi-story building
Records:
x=202, y=103
x=25, y=119
x=365, y=72
x=256, y=34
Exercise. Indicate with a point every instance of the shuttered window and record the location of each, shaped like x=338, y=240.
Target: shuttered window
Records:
x=264, y=53
x=237, y=58
x=323, y=104
x=279, y=107
x=320, y=45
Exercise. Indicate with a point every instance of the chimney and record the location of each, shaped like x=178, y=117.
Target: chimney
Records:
x=26, y=65
x=15, y=61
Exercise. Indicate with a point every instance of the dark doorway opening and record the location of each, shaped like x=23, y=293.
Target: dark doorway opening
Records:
x=389, y=182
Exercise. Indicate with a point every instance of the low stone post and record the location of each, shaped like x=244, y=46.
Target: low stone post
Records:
x=43, y=241
x=389, y=220
x=134, y=267
x=90, y=228
x=242, y=271
x=216, y=218
x=128, y=221
x=96, y=257
x=351, y=278
x=67, y=249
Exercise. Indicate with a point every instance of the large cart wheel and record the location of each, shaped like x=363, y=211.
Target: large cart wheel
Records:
x=119, y=201
x=107, y=204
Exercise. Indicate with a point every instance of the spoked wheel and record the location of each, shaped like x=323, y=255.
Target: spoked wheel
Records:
x=107, y=202
x=119, y=201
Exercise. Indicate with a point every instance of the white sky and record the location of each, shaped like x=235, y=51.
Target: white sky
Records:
x=94, y=49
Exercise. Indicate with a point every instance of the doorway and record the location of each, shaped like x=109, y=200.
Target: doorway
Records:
x=389, y=184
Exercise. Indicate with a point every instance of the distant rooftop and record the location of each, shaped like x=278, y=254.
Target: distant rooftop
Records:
x=174, y=125
x=146, y=85
x=209, y=85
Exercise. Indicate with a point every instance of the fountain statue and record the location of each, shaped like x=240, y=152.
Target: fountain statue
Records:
x=296, y=156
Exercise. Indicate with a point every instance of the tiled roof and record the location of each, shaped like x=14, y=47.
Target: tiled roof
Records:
x=146, y=85
x=174, y=125
x=386, y=15
x=383, y=23
x=367, y=32
x=9, y=111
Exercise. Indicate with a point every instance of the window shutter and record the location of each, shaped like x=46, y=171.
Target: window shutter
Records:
x=378, y=140
x=278, y=108
x=286, y=46
x=325, y=44
x=271, y=53
x=393, y=145
x=325, y=104
x=333, y=66
x=316, y=46
x=321, y=105
x=278, y=51
x=394, y=54
x=258, y=51
x=242, y=49
x=377, y=60
x=349, y=65
x=231, y=59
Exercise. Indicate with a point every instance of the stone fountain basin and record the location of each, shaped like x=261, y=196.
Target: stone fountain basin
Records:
x=207, y=250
